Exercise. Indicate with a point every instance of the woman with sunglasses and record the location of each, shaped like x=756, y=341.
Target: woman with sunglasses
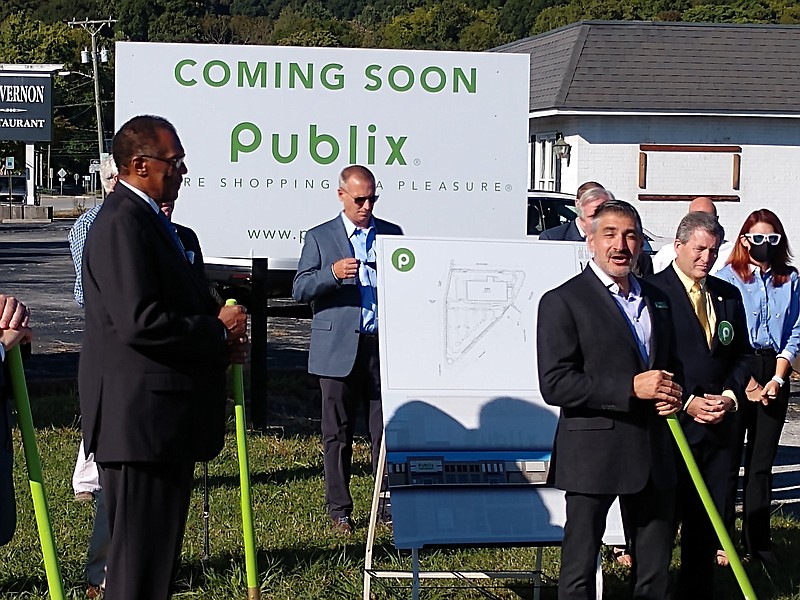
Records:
x=759, y=267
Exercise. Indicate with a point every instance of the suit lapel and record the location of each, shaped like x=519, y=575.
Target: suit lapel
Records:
x=169, y=253
x=682, y=303
x=720, y=311
x=611, y=308
x=654, y=329
x=340, y=235
x=572, y=234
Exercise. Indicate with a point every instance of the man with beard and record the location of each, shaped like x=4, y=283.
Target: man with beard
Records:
x=605, y=356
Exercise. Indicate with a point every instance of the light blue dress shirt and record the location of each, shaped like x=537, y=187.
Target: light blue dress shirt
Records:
x=633, y=307
x=773, y=313
x=363, y=243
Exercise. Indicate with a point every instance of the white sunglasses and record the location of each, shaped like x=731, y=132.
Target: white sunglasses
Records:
x=773, y=239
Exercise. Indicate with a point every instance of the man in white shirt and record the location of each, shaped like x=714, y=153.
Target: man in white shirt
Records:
x=664, y=257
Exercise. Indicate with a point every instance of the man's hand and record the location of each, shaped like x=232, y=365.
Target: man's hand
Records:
x=345, y=268
x=238, y=349
x=658, y=385
x=709, y=408
x=11, y=337
x=235, y=320
x=13, y=313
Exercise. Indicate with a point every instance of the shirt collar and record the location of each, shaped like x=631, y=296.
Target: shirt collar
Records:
x=141, y=195
x=756, y=270
x=350, y=227
x=611, y=285
x=580, y=229
x=688, y=282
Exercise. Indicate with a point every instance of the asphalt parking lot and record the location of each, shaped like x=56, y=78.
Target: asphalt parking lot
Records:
x=37, y=267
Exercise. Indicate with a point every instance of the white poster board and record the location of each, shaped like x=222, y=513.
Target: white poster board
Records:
x=460, y=389
x=268, y=129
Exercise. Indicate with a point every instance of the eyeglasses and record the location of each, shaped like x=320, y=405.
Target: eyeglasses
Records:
x=360, y=200
x=176, y=163
x=773, y=239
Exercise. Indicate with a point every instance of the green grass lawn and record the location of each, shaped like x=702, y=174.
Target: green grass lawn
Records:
x=298, y=556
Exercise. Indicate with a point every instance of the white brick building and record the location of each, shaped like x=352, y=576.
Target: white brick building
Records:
x=663, y=112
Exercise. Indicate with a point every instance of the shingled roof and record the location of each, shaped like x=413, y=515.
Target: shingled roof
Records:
x=634, y=66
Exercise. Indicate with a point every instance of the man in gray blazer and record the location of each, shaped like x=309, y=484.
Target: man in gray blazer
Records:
x=336, y=274
x=591, y=195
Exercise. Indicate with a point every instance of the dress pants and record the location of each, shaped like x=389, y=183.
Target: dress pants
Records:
x=147, y=506
x=650, y=516
x=762, y=425
x=342, y=401
x=8, y=506
x=699, y=541
x=98, y=543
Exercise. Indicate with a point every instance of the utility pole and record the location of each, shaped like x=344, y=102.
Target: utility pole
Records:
x=94, y=28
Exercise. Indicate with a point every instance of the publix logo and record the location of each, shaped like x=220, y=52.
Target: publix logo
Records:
x=323, y=148
x=403, y=259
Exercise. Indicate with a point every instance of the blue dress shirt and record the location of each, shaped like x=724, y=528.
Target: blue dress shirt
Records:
x=363, y=243
x=773, y=313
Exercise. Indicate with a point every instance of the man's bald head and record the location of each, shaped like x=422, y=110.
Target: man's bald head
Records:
x=703, y=204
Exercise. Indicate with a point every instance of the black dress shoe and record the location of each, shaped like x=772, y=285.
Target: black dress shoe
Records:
x=343, y=525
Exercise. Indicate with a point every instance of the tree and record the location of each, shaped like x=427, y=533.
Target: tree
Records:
x=517, y=17
x=437, y=27
x=484, y=32
x=251, y=30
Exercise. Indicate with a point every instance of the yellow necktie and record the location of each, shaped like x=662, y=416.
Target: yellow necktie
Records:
x=698, y=299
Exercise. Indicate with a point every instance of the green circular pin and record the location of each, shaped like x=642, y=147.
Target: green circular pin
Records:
x=403, y=259
x=725, y=332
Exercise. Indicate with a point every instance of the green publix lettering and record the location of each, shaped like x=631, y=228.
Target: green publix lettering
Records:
x=323, y=148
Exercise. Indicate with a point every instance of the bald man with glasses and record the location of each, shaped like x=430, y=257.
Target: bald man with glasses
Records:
x=336, y=275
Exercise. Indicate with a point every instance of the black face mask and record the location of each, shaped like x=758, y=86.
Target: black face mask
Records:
x=763, y=253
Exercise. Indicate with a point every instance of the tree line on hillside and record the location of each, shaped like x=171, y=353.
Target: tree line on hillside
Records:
x=37, y=31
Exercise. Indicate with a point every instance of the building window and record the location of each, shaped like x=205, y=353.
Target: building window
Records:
x=545, y=164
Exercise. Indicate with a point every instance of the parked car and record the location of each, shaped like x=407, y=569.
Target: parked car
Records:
x=69, y=189
x=19, y=189
x=550, y=209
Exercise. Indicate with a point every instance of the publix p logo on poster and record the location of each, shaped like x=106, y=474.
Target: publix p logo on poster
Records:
x=403, y=259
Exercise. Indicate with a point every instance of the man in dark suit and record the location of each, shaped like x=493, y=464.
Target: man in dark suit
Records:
x=591, y=195
x=604, y=351
x=711, y=339
x=152, y=369
x=14, y=330
x=336, y=274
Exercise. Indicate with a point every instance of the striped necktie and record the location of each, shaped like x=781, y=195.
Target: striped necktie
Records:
x=173, y=232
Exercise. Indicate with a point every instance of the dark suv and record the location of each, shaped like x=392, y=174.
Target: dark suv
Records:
x=19, y=189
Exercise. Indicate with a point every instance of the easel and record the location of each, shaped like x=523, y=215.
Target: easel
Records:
x=380, y=497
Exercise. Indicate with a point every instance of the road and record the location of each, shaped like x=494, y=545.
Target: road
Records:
x=36, y=267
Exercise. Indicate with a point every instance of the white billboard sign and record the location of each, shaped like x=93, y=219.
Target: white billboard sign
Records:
x=268, y=129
